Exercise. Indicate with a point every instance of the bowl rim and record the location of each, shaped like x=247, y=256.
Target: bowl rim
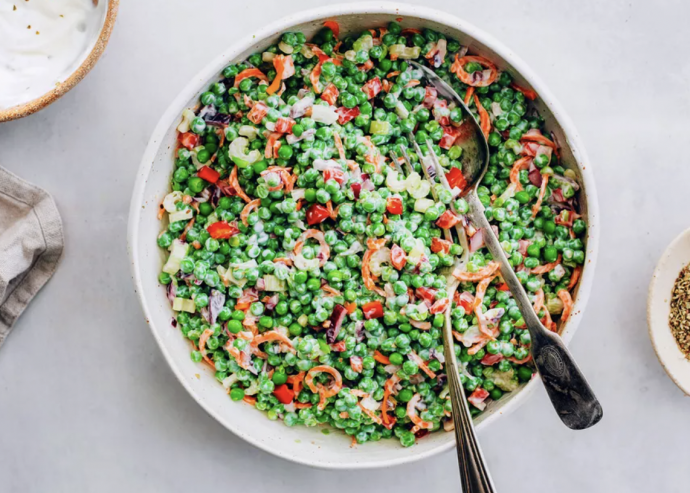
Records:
x=25, y=109
x=402, y=10
x=671, y=358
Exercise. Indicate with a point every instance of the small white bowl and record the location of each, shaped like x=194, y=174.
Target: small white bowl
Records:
x=300, y=444
x=676, y=256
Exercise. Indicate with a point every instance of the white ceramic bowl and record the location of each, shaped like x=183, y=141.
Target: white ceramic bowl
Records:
x=308, y=445
x=676, y=256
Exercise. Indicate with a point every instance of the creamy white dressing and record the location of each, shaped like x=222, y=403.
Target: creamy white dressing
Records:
x=42, y=42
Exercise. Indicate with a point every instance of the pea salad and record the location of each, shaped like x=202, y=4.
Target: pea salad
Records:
x=311, y=275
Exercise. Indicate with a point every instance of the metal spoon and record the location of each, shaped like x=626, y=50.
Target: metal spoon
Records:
x=570, y=394
x=474, y=475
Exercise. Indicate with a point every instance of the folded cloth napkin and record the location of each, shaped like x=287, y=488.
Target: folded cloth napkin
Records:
x=30, y=245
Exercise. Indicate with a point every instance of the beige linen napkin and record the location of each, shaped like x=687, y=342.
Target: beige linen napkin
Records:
x=30, y=245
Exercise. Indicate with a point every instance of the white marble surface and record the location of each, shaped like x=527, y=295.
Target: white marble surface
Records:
x=87, y=402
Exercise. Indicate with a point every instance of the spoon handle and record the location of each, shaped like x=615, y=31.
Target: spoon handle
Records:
x=570, y=394
x=474, y=475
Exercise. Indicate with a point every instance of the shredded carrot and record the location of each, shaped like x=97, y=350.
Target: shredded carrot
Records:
x=303, y=405
x=482, y=273
x=388, y=421
x=325, y=251
x=272, y=145
x=296, y=382
x=529, y=94
x=324, y=392
x=520, y=164
x=250, y=399
x=249, y=72
x=353, y=442
x=186, y=229
x=412, y=414
x=332, y=291
x=205, y=335
x=413, y=83
x=371, y=414
x=484, y=120
x=339, y=145
x=410, y=30
x=458, y=68
x=254, y=204
x=539, y=301
x=542, y=191
x=196, y=245
x=381, y=358
x=468, y=95
x=351, y=307
x=567, y=300
x=393, y=74
x=270, y=336
x=543, y=269
x=540, y=139
x=368, y=65
x=369, y=279
x=481, y=290
x=300, y=202
x=522, y=361
x=235, y=184
x=574, y=277
x=161, y=211
x=476, y=347
x=331, y=211
x=422, y=364
x=333, y=26
x=279, y=65
x=314, y=77
x=386, y=85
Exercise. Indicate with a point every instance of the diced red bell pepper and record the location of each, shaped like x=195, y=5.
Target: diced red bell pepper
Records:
x=208, y=174
x=284, y=394
x=439, y=245
x=334, y=174
x=373, y=309
x=503, y=287
x=491, y=359
x=466, y=300
x=394, y=205
x=189, y=140
x=284, y=125
x=478, y=397
x=338, y=347
x=456, y=179
x=427, y=294
x=330, y=94
x=398, y=257
x=372, y=87
x=447, y=220
x=257, y=113
x=450, y=133
x=356, y=189
x=430, y=95
x=222, y=230
x=439, y=306
x=316, y=214
x=346, y=114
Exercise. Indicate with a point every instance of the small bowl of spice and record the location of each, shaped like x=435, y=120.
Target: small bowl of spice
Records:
x=668, y=311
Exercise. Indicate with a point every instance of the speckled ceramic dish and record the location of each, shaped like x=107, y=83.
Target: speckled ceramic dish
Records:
x=676, y=256
x=300, y=444
x=88, y=60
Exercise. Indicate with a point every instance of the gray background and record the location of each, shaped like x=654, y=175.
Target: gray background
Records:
x=87, y=403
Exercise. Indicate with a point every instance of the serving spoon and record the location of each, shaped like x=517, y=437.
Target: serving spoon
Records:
x=570, y=394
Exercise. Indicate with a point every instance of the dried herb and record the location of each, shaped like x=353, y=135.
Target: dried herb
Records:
x=679, y=319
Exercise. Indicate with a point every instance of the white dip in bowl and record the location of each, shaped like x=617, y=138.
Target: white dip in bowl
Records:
x=42, y=42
